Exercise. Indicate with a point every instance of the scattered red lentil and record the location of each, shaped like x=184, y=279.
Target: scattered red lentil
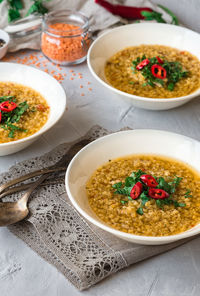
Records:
x=82, y=94
x=33, y=59
x=90, y=88
x=81, y=86
x=71, y=78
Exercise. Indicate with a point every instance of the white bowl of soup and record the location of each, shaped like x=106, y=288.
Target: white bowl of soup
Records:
x=171, y=76
x=31, y=102
x=166, y=209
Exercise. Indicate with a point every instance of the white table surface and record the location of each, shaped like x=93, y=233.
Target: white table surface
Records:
x=175, y=273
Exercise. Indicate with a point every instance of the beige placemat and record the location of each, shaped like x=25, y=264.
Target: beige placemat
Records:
x=55, y=230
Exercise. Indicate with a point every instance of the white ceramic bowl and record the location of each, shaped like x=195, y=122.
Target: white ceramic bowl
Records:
x=136, y=34
x=4, y=48
x=121, y=144
x=47, y=86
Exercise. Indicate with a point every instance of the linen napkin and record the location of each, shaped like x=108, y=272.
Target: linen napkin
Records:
x=100, y=19
x=83, y=253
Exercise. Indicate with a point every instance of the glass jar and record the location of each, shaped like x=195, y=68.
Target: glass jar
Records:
x=25, y=33
x=65, y=37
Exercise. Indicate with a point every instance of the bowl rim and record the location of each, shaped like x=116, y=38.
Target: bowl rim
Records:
x=119, y=92
x=6, y=42
x=124, y=235
x=43, y=129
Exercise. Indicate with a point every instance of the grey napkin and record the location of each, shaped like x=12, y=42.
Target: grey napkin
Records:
x=84, y=253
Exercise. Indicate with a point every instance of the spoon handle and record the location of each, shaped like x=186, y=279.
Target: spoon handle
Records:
x=29, y=176
x=25, y=197
x=23, y=187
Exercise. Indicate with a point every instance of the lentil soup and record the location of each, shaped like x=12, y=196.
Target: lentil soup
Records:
x=159, y=217
x=172, y=73
x=23, y=111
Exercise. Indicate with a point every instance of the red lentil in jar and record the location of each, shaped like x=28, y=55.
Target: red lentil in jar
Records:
x=65, y=37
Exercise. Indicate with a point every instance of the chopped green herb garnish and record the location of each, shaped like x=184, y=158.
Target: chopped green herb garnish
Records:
x=143, y=187
x=140, y=211
x=123, y=201
x=15, y=7
x=158, y=71
x=187, y=194
x=153, y=15
x=9, y=119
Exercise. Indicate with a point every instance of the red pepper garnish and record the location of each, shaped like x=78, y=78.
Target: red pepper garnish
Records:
x=158, y=71
x=129, y=12
x=136, y=190
x=7, y=106
x=142, y=64
x=160, y=61
x=157, y=193
x=149, y=180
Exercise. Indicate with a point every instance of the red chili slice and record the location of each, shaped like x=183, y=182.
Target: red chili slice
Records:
x=7, y=106
x=157, y=193
x=158, y=71
x=136, y=190
x=160, y=61
x=149, y=180
x=142, y=64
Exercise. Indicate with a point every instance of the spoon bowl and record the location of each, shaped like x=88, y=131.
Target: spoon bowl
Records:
x=13, y=212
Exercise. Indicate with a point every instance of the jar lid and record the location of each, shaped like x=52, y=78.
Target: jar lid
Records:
x=26, y=26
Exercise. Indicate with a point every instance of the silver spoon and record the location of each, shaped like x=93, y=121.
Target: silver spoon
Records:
x=12, y=212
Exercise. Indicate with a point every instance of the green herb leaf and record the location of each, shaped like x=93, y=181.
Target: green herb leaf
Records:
x=174, y=184
x=16, y=4
x=153, y=16
x=136, y=175
x=37, y=7
x=117, y=185
x=123, y=202
x=162, y=184
x=179, y=204
x=140, y=211
x=124, y=191
x=187, y=194
x=13, y=15
x=159, y=203
x=144, y=198
x=129, y=181
x=174, y=17
x=171, y=86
